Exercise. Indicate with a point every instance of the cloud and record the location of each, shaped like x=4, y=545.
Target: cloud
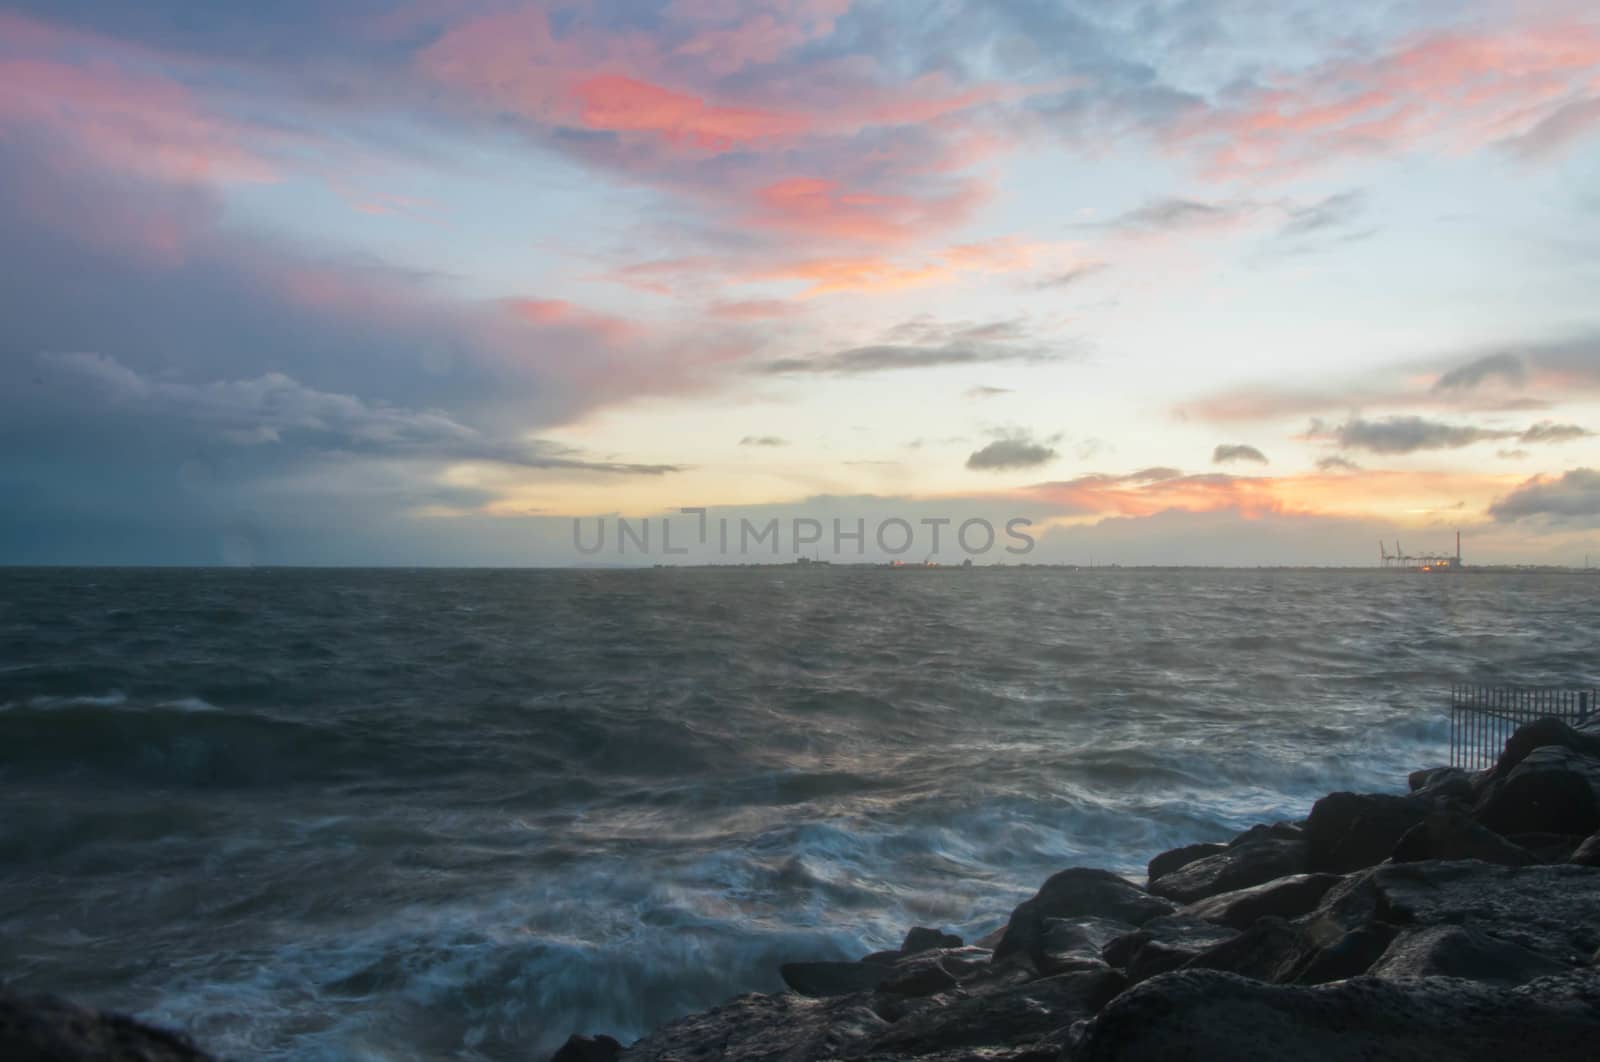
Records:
x=1574, y=498
x=1167, y=215
x=1504, y=366
x=923, y=343
x=763, y=440
x=1019, y=450
x=274, y=410
x=1550, y=432
x=1404, y=435
x=1334, y=212
x=987, y=392
x=1337, y=464
x=1231, y=452
x=1449, y=87
x=1072, y=277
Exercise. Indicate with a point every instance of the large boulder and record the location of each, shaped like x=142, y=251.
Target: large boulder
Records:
x=1553, y=910
x=1235, y=867
x=1449, y=833
x=1287, y=897
x=588, y=1049
x=1352, y=831
x=1550, y=789
x=770, y=1028
x=921, y=938
x=1270, y=950
x=1080, y=892
x=821, y=980
x=1587, y=854
x=1449, y=784
x=1007, y=1016
x=45, y=1029
x=1195, y=1014
x=1178, y=858
x=1549, y=732
x=1163, y=944
x=1466, y=952
x=1078, y=943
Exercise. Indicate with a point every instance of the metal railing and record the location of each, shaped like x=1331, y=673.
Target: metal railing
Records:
x=1483, y=717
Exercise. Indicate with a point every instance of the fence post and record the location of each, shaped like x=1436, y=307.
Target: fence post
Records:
x=1583, y=705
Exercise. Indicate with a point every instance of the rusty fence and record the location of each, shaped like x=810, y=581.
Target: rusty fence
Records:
x=1483, y=717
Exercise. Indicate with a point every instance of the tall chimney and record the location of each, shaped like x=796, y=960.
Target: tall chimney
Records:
x=1458, y=547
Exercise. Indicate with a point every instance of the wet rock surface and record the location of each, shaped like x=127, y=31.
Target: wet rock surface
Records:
x=45, y=1029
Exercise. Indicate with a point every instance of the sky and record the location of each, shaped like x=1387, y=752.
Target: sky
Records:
x=1188, y=281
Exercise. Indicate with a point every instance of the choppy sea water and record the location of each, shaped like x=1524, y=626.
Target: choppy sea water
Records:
x=393, y=815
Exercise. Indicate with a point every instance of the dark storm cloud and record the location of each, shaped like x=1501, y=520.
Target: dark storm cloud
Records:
x=1574, y=499
x=1229, y=452
x=293, y=420
x=1015, y=451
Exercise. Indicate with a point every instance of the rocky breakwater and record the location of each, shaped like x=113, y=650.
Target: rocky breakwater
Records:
x=1460, y=920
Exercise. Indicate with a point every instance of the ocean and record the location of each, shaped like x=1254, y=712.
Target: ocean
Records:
x=397, y=815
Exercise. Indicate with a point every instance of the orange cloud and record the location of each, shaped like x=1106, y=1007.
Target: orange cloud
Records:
x=753, y=309
x=1400, y=495
x=826, y=276
x=559, y=313
x=614, y=103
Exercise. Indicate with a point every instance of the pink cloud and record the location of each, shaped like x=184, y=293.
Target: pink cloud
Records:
x=1459, y=91
x=133, y=121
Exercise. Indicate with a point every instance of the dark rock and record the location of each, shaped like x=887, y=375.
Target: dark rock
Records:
x=1177, y=858
x=1548, y=847
x=1271, y=950
x=45, y=1029
x=1551, y=789
x=1447, y=833
x=1347, y=956
x=1351, y=831
x=1545, y=733
x=1076, y=944
x=925, y=979
x=882, y=958
x=924, y=939
x=991, y=939
x=1551, y=910
x=1587, y=854
x=1276, y=831
x=1016, y=1014
x=1163, y=944
x=958, y=962
x=1236, y=867
x=770, y=1028
x=1080, y=892
x=1448, y=784
x=1287, y=897
x=1428, y=775
x=823, y=979
x=1196, y=1014
x=588, y=1049
x=1460, y=951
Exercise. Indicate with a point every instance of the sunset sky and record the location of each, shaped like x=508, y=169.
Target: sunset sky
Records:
x=1193, y=281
